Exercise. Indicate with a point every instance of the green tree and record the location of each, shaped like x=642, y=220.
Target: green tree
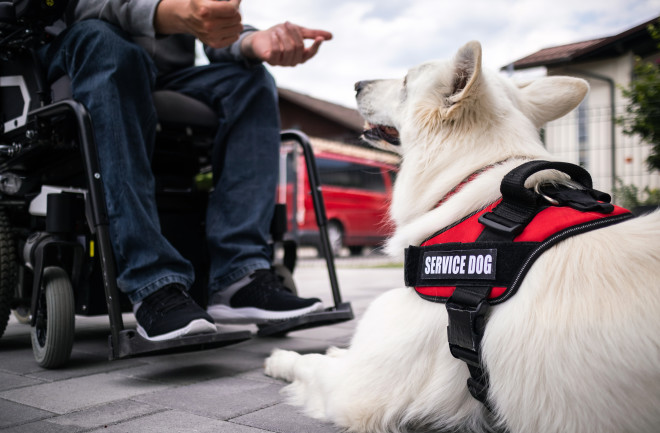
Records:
x=643, y=112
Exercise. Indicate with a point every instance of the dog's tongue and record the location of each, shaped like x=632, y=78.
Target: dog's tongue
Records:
x=389, y=130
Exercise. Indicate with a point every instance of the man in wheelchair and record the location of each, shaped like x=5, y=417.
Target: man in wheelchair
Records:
x=116, y=53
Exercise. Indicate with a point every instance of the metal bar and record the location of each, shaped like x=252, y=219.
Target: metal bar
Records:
x=99, y=215
x=319, y=207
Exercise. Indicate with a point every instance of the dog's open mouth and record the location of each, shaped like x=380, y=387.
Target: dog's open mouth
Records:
x=382, y=132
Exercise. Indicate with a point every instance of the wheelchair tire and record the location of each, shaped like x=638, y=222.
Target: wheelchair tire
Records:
x=52, y=335
x=8, y=270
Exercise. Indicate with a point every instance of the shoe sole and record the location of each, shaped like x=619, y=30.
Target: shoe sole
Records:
x=251, y=315
x=197, y=326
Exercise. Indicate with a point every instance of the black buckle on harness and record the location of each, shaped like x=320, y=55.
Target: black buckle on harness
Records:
x=500, y=224
x=584, y=200
x=467, y=308
x=478, y=387
x=465, y=330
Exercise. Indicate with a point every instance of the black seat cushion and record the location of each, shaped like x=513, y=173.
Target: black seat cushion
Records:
x=173, y=108
x=178, y=109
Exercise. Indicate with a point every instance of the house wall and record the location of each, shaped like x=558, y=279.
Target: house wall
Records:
x=584, y=136
x=294, y=116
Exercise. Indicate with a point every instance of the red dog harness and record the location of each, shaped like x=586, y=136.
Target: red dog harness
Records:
x=482, y=259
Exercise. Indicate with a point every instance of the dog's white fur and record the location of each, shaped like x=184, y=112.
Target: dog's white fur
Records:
x=577, y=349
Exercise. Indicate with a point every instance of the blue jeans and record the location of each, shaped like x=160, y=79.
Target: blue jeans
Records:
x=114, y=78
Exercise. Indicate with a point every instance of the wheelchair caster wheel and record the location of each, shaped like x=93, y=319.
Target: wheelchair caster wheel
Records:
x=52, y=334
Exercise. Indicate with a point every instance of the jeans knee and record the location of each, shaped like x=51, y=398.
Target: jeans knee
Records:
x=264, y=81
x=101, y=46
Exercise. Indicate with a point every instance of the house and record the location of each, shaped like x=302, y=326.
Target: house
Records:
x=318, y=118
x=589, y=136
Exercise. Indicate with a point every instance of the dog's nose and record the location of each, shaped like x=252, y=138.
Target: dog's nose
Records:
x=360, y=85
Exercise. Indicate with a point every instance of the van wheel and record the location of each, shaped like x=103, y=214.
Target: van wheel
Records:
x=336, y=237
x=356, y=250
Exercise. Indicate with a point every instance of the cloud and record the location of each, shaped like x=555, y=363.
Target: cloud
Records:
x=383, y=38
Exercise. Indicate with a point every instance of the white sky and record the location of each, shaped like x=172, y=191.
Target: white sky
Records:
x=383, y=38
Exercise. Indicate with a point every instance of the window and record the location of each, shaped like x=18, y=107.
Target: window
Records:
x=583, y=135
x=350, y=175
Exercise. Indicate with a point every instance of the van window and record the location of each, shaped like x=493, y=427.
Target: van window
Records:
x=350, y=175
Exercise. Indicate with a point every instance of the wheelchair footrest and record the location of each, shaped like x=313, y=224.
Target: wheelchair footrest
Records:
x=133, y=344
x=341, y=313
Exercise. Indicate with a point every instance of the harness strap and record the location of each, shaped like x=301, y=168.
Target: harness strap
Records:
x=465, y=181
x=467, y=308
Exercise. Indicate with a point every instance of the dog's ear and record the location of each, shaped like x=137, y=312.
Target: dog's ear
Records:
x=455, y=91
x=550, y=98
x=467, y=72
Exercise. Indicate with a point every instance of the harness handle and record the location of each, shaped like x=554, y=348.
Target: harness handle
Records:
x=520, y=204
x=513, y=185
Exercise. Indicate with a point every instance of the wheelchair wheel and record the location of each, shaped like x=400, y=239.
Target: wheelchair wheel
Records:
x=8, y=266
x=52, y=335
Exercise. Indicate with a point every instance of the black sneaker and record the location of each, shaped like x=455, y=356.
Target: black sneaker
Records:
x=262, y=300
x=169, y=313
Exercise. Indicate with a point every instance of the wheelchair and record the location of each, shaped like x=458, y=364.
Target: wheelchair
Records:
x=55, y=251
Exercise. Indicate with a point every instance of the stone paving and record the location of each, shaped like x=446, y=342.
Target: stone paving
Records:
x=218, y=390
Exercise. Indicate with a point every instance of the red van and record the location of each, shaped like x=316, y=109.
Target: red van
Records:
x=356, y=185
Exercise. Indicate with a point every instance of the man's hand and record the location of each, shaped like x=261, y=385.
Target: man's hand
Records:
x=216, y=23
x=283, y=44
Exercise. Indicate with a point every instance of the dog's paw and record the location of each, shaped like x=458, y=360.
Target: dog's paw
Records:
x=280, y=364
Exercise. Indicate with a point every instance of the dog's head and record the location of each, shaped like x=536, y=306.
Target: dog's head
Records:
x=439, y=98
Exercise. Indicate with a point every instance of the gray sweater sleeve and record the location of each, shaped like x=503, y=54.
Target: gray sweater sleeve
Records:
x=134, y=16
x=232, y=52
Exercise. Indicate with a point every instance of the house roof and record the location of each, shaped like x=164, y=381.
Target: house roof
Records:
x=636, y=39
x=345, y=116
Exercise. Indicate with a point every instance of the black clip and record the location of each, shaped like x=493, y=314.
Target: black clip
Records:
x=465, y=330
x=495, y=222
x=584, y=200
x=478, y=389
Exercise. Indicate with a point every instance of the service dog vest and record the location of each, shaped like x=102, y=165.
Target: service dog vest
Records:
x=482, y=259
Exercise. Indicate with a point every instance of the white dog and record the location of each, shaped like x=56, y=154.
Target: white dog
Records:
x=576, y=349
